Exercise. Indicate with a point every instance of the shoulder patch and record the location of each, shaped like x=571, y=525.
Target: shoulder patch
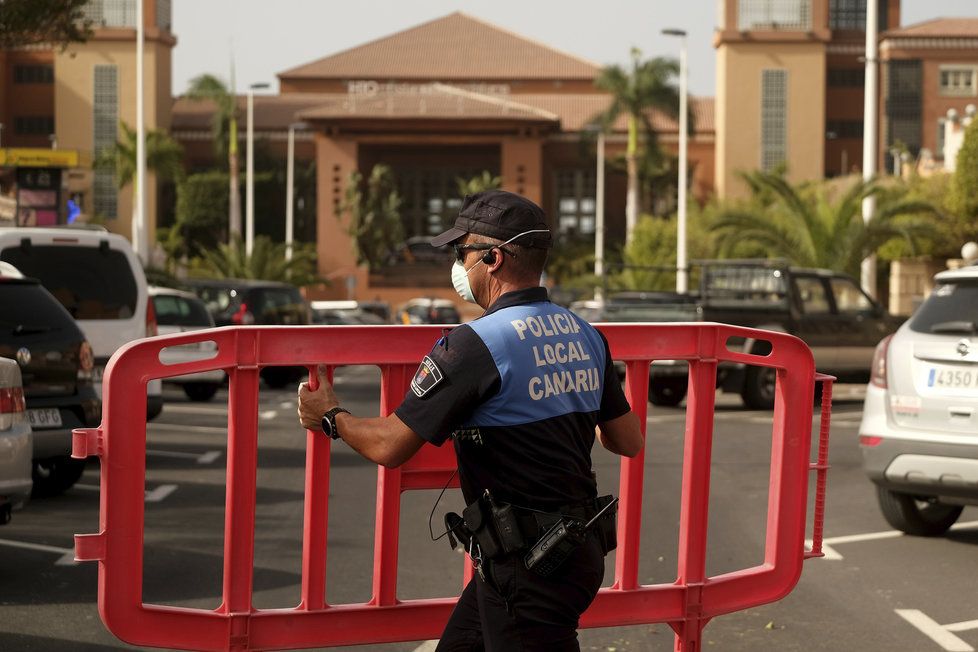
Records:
x=426, y=378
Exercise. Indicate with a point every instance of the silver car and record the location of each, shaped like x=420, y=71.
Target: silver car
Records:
x=182, y=312
x=919, y=431
x=16, y=449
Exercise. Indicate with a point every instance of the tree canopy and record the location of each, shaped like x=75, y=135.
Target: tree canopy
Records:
x=29, y=22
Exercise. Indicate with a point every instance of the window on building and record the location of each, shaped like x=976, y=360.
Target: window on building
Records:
x=959, y=81
x=904, y=104
x=851, y=14
x=111, y=13
x=164, y=14
x=774, y=15
x=106, y=113
x=844, y=129
x=429, y=198
x=575, y=201
x=34, y=125
x=774, y=119
x=846, y=77
x=34, y=74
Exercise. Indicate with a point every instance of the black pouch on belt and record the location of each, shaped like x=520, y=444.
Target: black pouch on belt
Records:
x=607, y=525
x=478, y=521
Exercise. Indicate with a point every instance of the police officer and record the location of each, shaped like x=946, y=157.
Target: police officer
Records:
x=520, y=392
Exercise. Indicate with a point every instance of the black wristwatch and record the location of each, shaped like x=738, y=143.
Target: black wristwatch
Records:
x=329, y=422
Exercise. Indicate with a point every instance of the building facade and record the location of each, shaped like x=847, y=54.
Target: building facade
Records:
x=442, y=101
x=75, y=98
x=790, y=86
x=928, y=69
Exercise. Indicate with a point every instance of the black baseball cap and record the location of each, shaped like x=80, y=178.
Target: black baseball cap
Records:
x=502, y=215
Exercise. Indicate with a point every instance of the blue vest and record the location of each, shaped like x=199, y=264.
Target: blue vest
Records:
x=550, y=363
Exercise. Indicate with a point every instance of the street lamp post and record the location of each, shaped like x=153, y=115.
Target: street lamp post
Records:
x=289, y=183
x=250, y=171
x=682, y=265
x=599, y=222
x=139, y=240
x=870, y=135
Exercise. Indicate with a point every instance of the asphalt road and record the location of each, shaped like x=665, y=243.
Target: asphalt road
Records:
x=878, y=591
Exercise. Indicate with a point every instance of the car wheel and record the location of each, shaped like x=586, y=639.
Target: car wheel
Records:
x=55, y=475
x=667, y=392
x=758, y=390
x=918, y=515
x=200, y=391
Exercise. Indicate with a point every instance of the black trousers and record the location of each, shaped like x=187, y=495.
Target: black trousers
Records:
x=516, y=610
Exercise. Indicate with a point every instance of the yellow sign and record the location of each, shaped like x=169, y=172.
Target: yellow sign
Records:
x=35, y=157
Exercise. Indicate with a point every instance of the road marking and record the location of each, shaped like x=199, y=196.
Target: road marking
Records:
x=287, y=404
x=206, y=458
x=831, y=554
x=962, y=627
x=160, y=493
x=67, y=555
x=268, y=415
x=176, y=426
x=427, y=646
x=940, y=634
x=154, y=496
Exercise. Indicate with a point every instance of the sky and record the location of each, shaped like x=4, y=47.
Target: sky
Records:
x=270, y=37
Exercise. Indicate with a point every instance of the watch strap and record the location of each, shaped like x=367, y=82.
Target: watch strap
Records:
x=329, y=419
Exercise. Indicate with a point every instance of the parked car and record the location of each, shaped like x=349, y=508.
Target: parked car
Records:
x=15, y=442
x=100, y=282
x=246, y=302
x=181, y=312
x=826, y=309
x=56, y=366
x=428, y=311
x=348, y=313
x=919, y=431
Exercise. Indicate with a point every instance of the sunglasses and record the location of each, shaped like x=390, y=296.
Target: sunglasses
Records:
x=460, y=249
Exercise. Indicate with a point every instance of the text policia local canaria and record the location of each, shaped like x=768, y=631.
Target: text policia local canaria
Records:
x=564, y=380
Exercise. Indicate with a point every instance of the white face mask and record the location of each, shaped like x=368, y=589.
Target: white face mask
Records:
x=460, y=275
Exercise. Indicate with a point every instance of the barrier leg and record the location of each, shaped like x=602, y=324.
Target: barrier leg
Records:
x=632, y=480
x=315, y=515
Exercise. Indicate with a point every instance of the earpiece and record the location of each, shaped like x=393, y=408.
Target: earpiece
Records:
x=489, y=258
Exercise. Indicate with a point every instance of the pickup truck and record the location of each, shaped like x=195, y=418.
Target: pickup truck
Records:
x=826, y=309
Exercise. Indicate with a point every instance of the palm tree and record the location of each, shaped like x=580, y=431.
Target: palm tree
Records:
x=267, y=262
x=810, y=227
x=224, y=130
x=649, y=85
x=163, y=156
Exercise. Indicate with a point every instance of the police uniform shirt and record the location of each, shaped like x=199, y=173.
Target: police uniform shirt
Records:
x=520, y=391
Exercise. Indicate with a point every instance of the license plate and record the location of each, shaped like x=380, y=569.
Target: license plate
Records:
x=953, y=378
x=44, y=418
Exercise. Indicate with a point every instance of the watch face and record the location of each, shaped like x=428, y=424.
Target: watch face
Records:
x=328, y=426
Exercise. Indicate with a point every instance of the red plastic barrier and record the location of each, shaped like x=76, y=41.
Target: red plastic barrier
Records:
x=687, y=604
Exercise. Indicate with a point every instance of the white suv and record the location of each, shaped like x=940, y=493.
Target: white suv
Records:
x=919, y=432
x=98, y=279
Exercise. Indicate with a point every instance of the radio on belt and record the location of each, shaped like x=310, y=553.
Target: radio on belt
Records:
x=559, y=542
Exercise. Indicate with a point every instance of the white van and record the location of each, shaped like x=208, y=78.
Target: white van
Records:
x=98, y=278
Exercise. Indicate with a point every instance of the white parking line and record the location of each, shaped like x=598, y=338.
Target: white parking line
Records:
x=154, y=496
x=206, y=458
x=427, y=646
x=268, y=415
x=67, y=555
x=833, y=555
x=940, y=634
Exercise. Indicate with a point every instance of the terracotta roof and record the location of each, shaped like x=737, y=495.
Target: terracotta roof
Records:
x=271, y=111
x=939, y=28
x=437, y=101
x=576, y=110
x=452, y=48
